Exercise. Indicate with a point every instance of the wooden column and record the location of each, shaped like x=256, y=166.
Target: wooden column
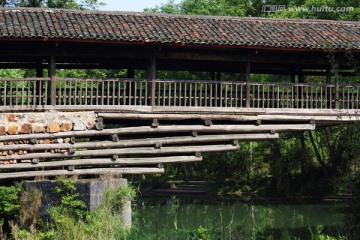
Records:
x=292, y=77
x=39, y=70
x=337, y=88
x=218, y=76
x=213, y=76
x=151, y=76
x=247, y=79
x=130, y=73
x=52, y=83
x=328, y=90
x=242, y=74
x=301, y=89
x=300, y=76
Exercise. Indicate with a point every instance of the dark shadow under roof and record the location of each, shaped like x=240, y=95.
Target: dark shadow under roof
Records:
x=149, y=28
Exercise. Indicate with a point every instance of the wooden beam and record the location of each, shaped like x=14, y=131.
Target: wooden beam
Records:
x=164, y=129
x=94, y=171
x=126, y=151
x=142, y=142
x=103, y=162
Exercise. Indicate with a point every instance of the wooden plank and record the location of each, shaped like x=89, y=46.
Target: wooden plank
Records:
x=103, y=161
x=126, y=151
x=143, y=142
x=95, y=171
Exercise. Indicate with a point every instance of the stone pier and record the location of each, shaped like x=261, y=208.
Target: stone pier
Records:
x=90, y=191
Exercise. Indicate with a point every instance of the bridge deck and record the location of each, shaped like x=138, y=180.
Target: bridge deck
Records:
x=265, y=101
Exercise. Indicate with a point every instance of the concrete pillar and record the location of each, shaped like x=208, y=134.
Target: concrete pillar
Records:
x=90, y=191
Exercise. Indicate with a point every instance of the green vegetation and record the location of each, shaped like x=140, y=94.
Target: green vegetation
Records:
x=312, y=9
x=69, y=220
x=298, y=165
x=67, y=4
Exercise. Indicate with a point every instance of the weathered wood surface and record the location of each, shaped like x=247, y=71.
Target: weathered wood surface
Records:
x=126, y=151
x=103, y=161
x=189, y=93
x=166, y=129
x=94, y=171
x=143, y=142
x=331, y=117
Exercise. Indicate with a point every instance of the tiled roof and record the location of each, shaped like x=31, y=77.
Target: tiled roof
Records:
x=178, y=29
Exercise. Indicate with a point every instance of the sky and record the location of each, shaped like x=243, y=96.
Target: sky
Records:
x=130, y=5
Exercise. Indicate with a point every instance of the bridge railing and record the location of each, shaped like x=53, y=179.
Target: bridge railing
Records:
x=183, y=93
x=178, y=93
x=24, y=92
x=102, y=92
x=262, y=95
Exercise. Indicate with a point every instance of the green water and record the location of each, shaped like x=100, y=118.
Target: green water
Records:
x=177, y=219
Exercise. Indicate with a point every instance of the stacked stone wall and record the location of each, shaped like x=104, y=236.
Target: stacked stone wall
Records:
x=44, y=122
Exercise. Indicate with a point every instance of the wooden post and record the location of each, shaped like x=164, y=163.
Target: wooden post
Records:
x=301, y=89
x=242, y=74
x=151, y=75
x=328, y=90
x=213, y=76
x=292, y=77
x=337, y=88
x=39, y=70
x=247, y=78
x=328, y=76
x=130, y=73
x=38, y=90
x=52, y=85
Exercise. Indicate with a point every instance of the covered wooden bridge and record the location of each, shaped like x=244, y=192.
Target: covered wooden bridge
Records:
x=146, y=120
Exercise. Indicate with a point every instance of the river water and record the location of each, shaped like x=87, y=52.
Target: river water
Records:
x=172, y=218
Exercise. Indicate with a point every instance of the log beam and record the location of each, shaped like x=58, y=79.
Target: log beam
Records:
x=103, y=162
x=126, y=151
x=78, y=172
x=143, y=142
x=165, y=129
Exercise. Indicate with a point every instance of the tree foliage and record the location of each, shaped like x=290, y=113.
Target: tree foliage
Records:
x=313, y=9
x=66, y=4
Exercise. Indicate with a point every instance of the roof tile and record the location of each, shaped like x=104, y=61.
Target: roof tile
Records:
x=184, y=29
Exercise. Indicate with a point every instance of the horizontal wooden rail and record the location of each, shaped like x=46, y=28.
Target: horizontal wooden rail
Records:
x=178, y=93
